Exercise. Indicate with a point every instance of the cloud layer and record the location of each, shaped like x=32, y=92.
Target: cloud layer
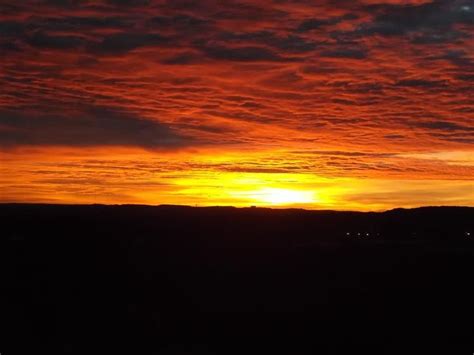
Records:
x=325, y=88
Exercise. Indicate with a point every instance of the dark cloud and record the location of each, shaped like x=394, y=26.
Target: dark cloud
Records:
x=350, y=53
x=434, y=15
x=62, y=3
x=429, y=22
x=90, y=127
x=49, y=32
x=124, y=42
x=42, y=40
x=455, y=136
x=457, y=57
x=289, y=43
x=184, y=23
x=243, y=10
x=294, y=43
x=130, y=3
x=317, y=23
x=466, y=77
x=11, y=28
x=9, y=47
x=437, y=37
x=420, y=83
x=444, y=126
x=183, y=59
x=314, y=23
x=241, y=54
x=70, y=23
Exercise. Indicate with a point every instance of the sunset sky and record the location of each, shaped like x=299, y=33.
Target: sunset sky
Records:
x=341, y=104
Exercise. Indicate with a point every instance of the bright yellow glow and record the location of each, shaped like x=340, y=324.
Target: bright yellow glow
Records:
x=126, y=176
x=259, y=189
x=274, y=196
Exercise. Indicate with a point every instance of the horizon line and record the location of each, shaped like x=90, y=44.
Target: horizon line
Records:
x=228, y=206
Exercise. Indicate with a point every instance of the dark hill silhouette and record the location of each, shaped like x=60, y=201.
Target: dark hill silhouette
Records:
x=221, y=280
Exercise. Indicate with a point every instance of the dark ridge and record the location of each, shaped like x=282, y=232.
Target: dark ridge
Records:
x=135, y=279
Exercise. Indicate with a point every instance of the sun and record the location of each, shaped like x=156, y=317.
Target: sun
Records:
x=277, y=196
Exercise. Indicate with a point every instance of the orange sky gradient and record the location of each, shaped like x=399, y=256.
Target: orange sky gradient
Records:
x=347, y=105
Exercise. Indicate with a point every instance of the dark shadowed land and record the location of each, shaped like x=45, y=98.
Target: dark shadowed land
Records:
x=181, y=280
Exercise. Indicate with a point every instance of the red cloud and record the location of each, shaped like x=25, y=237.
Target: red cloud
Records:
x=284, y=77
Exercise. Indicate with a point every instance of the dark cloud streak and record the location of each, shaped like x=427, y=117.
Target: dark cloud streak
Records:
x=94, y=126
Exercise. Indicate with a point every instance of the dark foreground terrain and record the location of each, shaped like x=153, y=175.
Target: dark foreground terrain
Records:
x=178, y=280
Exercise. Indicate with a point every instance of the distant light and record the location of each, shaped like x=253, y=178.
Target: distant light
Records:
x=367, y=234
x=358, y=234
x=348, y=233
x=468, y=234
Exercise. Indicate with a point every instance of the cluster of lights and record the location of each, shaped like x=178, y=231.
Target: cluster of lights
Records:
x=362, y=234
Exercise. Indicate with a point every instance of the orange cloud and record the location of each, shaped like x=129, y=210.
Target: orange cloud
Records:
x=181, y=102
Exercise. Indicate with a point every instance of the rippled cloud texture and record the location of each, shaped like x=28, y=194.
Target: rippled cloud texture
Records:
x=365, y=104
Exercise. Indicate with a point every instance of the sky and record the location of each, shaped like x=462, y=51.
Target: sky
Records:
x=341, y=104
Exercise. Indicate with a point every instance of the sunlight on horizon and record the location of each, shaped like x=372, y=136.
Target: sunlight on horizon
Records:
x=279, y=196
x=207, y=179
